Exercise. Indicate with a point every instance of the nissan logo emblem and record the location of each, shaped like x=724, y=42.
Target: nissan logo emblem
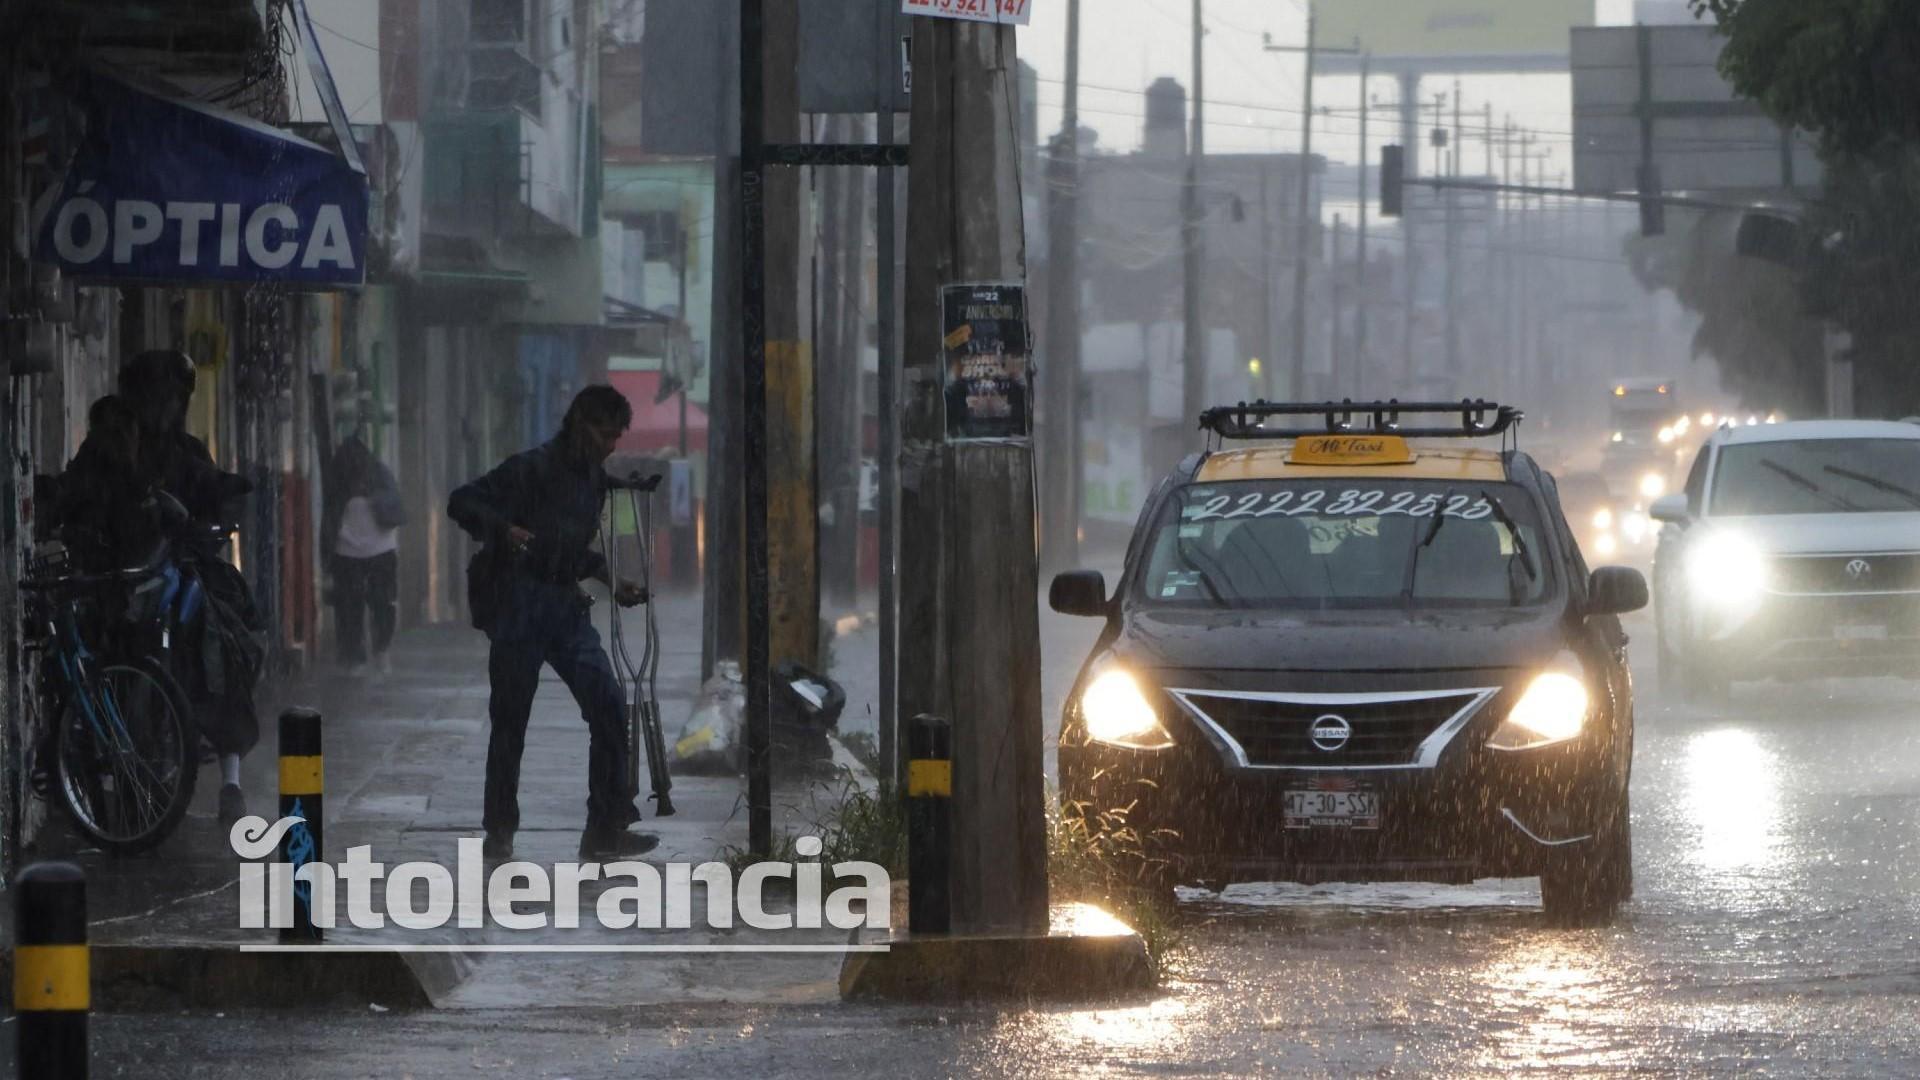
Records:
x=1859, y=570
x=1330, y=732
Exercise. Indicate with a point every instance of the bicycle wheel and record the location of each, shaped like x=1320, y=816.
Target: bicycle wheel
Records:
x=125, y=755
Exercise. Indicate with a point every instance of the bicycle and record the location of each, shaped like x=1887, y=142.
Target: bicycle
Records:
x=120, y=753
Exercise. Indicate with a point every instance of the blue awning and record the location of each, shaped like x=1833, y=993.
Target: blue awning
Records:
x=164, y=189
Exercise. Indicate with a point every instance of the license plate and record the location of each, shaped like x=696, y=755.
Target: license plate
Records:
x=1332, y=809
x=1860, y=633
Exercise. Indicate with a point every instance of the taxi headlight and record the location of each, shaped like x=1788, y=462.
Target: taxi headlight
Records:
x=1725, y=570
x=1653, y=485
x=1603, y=518
x=1553, y=710
x=1605, y=546
x=1117, y=713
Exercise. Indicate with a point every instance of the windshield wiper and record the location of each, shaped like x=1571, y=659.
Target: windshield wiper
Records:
x=1426, y=541
x=1887, y=486
x=1793, y=477
x=1187, y=555
x=1520, y=549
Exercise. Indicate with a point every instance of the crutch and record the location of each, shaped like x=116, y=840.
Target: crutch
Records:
x=640, y=680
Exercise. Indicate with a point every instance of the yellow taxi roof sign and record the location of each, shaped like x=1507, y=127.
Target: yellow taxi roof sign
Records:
x=1350, y=450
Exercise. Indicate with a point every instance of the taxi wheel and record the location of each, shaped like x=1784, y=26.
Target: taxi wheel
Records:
x=1587, y=889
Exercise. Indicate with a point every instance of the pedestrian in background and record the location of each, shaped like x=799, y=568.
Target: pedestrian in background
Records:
x=364, y=513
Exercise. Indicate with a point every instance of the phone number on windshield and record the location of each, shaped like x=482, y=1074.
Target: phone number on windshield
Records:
x=1350, y=503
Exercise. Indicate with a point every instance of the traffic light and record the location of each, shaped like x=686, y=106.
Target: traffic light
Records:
x=1393, y=180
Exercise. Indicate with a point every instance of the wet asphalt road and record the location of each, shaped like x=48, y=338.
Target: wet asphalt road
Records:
x=1775, y=930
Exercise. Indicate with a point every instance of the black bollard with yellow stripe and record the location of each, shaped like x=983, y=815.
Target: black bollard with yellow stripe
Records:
x=52, y=984
x=929, y=825
x=302, y=782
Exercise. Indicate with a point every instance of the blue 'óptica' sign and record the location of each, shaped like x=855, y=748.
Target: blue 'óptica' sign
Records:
x=162, y=189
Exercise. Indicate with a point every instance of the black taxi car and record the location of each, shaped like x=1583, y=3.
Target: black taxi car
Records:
x=1357, y=648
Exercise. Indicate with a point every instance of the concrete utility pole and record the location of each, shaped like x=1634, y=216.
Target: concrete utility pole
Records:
x=842, y=247
x=1060, y=364
x=1303, y=210
x=1303, y=224
x=970, y=647
x=1194, y=320
x=1452, y=246
x=1359, y=378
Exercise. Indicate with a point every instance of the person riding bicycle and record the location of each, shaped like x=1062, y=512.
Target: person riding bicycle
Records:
x=230, y=651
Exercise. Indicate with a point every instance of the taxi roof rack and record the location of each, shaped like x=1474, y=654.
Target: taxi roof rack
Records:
x=1474, y=419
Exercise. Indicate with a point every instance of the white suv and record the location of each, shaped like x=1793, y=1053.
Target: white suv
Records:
x=1794, y=550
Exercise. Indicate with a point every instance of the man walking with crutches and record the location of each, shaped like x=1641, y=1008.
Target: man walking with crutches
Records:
x=536, y=515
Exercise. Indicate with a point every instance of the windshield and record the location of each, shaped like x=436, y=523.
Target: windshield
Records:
x=1323, y=544
x=1817, y=476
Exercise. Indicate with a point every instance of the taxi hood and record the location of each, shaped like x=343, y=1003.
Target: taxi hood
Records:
x=1387, y=640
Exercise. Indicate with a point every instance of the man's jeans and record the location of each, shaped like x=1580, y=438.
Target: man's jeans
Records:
x=551, y=628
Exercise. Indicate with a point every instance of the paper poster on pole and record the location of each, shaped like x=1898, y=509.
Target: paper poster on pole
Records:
x=1011, y=12
x=988, y=375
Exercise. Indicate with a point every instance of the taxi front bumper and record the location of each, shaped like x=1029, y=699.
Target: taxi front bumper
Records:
x=1477, y=813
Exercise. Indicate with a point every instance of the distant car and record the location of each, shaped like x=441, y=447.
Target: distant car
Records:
x=1794, y=550
x=1605, y=527
x=1356, y=655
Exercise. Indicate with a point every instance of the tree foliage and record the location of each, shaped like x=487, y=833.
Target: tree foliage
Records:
x=1849, y=72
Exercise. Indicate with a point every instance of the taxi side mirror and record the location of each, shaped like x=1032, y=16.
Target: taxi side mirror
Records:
x=1616, y=590
x=1671, y=509
x=1078, y=592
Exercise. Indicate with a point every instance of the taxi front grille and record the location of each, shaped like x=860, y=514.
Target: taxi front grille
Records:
x=1303, y=731
x=1821, y=574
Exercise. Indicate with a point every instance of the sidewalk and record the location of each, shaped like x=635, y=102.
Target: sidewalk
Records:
x=405, y=758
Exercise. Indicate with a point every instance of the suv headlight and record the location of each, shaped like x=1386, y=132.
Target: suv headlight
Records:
x=1116, y=712
x=1726, y=571
x=1554, y=709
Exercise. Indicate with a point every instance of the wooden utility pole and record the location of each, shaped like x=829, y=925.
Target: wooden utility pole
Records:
x=970, y=648
x=723, y=576
x=776, y=387
x=793, y=517
x=887, y=326
x=1060, y=363
x=1193, y=241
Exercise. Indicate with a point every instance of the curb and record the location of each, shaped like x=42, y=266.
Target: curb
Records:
x=136, y=978
x=1067, y=964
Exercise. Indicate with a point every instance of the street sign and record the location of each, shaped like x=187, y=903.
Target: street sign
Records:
x=848, y=62
x=989, y=383
x=1662, y=102
x=1012, y=12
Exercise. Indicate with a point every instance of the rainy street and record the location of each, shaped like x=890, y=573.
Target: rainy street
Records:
x=1773, y=931
x=787, y=538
